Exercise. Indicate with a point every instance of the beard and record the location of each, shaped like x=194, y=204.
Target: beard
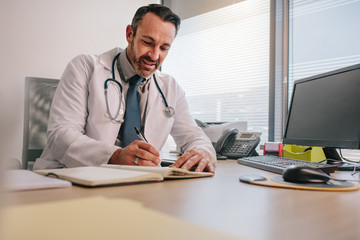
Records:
x=139, y=63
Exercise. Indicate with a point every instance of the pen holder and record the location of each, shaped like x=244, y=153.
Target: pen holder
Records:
x=307, y=153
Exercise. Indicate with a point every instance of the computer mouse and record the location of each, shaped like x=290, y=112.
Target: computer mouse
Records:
x=304, y=174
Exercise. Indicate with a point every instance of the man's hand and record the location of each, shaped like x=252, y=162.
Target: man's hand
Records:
x=137, y=153
x=195, y=158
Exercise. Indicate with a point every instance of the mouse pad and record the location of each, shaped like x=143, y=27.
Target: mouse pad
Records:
x=278, y=181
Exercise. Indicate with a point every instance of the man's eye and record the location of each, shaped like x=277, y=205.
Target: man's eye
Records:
x=147, y=43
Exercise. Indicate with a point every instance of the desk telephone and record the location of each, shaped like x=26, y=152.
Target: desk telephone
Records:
x=235, y=144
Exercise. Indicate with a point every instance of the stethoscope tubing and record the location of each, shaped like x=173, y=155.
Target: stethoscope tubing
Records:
x=168, y=112
x=162, y=94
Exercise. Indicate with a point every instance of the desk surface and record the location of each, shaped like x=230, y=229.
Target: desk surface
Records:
x=223, y=203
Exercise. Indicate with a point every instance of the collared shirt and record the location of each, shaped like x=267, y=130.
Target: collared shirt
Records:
x=126, y=71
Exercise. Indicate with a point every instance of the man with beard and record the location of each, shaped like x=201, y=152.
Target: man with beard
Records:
x=89, y=126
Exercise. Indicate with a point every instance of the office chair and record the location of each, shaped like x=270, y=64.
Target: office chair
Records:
x=38, y=97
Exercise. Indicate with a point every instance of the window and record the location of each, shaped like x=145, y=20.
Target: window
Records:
x=323, y=36
x=221, y=60
x=326, y=29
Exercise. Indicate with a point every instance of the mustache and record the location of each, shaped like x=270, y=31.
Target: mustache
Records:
x=147, y=58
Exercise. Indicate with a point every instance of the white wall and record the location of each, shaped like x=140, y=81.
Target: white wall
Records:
x=39, y=37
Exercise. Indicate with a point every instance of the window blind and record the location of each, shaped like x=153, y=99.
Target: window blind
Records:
x=221, y=60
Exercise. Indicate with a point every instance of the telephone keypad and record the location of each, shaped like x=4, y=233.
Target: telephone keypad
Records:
x=238, y=147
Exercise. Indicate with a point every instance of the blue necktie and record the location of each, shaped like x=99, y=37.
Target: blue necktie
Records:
x=132, y=115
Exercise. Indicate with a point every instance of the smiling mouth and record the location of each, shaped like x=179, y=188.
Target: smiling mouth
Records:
x=149, y=63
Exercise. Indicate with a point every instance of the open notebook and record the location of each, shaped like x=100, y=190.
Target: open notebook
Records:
x=109, y=174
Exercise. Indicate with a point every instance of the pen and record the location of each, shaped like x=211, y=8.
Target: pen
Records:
x=140, y=135
x=142, y=138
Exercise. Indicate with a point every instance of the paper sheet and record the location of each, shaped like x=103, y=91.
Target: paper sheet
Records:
x=21, y=179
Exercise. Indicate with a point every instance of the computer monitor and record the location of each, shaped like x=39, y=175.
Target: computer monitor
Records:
x=325, y=111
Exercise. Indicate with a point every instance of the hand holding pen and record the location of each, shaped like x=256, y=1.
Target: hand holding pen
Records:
x=139, y=152
x=142, y=138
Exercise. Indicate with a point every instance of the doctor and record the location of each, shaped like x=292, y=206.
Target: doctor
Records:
x=85, y=126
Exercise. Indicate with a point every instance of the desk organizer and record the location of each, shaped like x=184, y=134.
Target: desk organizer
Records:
x=307, y=153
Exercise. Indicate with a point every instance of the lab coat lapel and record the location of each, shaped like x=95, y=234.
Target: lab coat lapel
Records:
x=154, y=122
x=105, y=71
x=106, y=60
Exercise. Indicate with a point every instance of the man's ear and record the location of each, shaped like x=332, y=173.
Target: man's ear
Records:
x=129, y=33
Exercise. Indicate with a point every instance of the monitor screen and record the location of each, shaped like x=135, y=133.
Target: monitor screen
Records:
x=325, y=110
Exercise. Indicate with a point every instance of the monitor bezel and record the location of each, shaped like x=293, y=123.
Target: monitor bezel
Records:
x=346, y=144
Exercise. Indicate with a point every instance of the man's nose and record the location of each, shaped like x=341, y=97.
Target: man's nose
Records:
x=154, y=53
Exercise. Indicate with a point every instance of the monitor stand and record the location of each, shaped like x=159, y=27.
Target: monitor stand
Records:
x=331, y=153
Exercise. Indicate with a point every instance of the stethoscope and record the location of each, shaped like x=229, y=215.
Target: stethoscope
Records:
x=169, y=112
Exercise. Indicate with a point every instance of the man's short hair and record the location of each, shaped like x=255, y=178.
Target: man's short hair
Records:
x=160, y=10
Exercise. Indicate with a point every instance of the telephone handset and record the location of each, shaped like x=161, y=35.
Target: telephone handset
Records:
x=235, y=144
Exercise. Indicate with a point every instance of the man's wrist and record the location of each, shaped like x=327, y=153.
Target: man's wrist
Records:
x=114, y=158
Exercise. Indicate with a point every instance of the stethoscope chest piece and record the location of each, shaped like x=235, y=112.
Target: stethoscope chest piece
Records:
x=169, y=112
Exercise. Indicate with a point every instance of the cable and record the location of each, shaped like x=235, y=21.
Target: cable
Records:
x=346, y=180
x=343, y=158
x=355, y=171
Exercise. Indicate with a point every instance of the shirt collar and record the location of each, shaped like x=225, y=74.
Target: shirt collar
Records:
x=126, y=68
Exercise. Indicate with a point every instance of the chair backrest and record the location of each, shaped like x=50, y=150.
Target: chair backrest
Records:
x=38, y=97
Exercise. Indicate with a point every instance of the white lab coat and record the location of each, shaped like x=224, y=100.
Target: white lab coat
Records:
x=80, y=135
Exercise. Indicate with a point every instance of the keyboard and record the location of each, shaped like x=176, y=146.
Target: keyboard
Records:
x=278, y=164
